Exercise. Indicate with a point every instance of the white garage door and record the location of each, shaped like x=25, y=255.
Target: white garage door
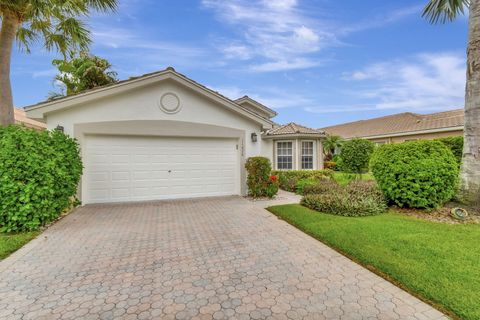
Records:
x=128, y=168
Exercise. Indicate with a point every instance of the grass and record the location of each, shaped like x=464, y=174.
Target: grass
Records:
x=10, y=243
x=437, y=262
x=344, y=178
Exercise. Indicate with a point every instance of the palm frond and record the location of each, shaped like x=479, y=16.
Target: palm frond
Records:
x=442, y=11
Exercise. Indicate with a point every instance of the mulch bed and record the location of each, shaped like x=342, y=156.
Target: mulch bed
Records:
x=443, y=214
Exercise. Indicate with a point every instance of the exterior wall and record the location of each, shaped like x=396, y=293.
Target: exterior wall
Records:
x=297, y=156
x=137, y=112
x=425, y=136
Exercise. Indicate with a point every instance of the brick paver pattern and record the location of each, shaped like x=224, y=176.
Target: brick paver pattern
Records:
x=214, y=258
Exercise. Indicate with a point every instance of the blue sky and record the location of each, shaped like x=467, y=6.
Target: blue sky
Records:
x=316, y=62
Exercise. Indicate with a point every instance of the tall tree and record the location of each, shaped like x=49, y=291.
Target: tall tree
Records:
x=82, y=72
x=441, y=11
x=57, y=24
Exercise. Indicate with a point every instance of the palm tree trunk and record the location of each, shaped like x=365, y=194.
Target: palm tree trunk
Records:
x=7, y=37
x=470, y=172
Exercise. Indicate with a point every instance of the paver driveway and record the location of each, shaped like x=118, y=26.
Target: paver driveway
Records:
x=191, y=259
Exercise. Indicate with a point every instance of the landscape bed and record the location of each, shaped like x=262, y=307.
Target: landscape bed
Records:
x=436, y=262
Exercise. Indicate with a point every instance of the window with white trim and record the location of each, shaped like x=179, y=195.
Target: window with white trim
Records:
x=307, y=155
x=284, y=155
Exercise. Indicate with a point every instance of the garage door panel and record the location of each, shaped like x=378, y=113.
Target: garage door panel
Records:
x=147, y=168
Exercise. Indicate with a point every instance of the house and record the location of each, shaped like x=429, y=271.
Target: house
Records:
x=165, y=136
x=21, y=118
x=403, y=127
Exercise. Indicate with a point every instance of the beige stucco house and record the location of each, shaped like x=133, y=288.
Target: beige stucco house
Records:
x=164, y=136
x=403, y=127
x=22, y=119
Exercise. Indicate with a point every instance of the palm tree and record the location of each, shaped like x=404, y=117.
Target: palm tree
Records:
x=330, y=144
x=447, y=10
x=55, y=23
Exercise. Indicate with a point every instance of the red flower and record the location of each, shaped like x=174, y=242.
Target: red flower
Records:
x=273, y=178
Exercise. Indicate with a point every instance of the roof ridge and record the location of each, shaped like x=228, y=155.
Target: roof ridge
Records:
x=363, y=120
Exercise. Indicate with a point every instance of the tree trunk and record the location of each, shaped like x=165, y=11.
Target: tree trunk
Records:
x=7, y=37
x=470, y=172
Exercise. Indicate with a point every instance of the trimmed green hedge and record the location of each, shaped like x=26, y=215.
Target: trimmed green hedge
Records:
x=419, y=174
x=289, y=178
x=455, y=144
x=321, y=186
x=259, y=181
x=357, y=199
x=39, y=173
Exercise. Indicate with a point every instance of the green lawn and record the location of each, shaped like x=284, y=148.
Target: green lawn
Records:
x=438, y=262
x=343, y=178
x=12, y=242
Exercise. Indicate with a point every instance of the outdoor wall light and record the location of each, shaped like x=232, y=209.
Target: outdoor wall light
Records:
x=254, y=137
x=59, y=128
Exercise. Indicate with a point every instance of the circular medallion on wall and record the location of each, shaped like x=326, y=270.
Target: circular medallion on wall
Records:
x=169, y=103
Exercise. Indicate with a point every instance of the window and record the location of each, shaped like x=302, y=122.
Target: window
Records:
x=379, y=143
x=284, y=155
x=307, y=154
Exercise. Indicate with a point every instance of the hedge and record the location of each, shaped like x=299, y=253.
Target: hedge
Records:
x=418, y=174
x=357, y=199
x=289, y=178
x=39, y=173
x=259, y=181
x=355, y=155
x=455, y=144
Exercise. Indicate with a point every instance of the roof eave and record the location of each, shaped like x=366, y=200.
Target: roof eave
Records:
x=271, y=113
x=410, y=133
x=38, y=111
x=294, y=135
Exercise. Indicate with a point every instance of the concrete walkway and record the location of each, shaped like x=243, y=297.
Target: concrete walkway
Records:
x=216, y=258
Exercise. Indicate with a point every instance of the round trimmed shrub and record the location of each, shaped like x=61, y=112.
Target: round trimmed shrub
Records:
x=417, y=174
x=455, y=144
x=355, y=155
x=39, y=174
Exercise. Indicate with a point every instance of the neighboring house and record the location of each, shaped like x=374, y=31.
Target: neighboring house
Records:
x=403, y=127
x=21, y=118
x=164, y=136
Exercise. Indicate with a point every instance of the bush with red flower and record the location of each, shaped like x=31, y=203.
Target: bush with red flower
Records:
x=259, y=181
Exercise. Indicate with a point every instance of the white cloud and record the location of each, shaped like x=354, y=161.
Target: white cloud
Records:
x=44, y=73
x=381, y=20
x=428, y=82
x=124, y=46
x=231, y=92
x=277, y=34
x=284, y=65
x=269, y=96
x=237, y=51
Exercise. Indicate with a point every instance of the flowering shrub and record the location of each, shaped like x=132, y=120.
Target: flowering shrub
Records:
x=259, y=181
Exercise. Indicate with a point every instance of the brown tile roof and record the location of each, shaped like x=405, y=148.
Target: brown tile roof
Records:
x=293, y=128
x=21, y=118
x=398, y=123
